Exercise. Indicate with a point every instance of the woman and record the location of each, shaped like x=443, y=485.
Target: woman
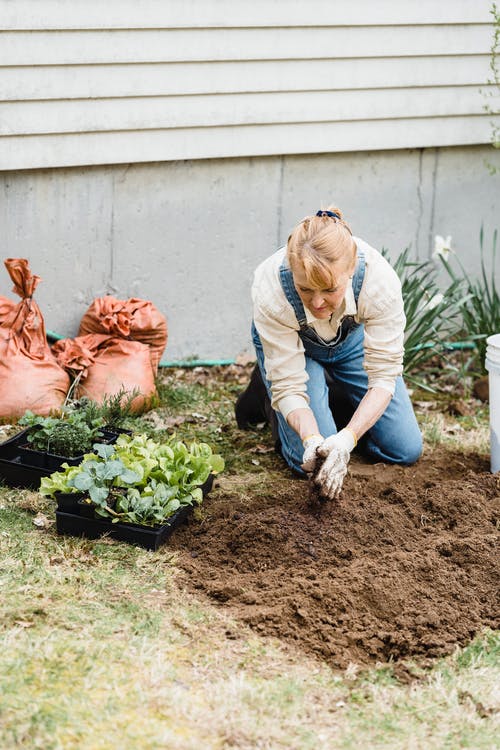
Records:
x=329, y=305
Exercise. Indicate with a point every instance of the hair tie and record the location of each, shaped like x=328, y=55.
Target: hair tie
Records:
x=328, y=213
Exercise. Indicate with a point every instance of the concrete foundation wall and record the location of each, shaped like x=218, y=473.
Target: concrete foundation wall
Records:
x=188, y=235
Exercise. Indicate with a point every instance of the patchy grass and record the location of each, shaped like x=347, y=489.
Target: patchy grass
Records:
x=461, y=433
x=443, y=423
x=199, y=405
x=102, y=647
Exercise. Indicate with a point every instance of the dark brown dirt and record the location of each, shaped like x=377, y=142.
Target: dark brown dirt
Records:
x=404, y=565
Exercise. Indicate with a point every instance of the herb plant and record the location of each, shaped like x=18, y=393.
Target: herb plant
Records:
x=78, y=427
x=116, y=408
x=69, y=435
x=113, y=411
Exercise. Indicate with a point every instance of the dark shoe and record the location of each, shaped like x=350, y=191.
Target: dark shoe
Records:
x=250, y=408
x=339, y=403
x=253, y=406
x=273, y=423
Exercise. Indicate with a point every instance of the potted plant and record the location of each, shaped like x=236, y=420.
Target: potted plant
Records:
x=95, y=482
x=136, y=489
x=50, y=441
x=46, y=443
x=115, y=409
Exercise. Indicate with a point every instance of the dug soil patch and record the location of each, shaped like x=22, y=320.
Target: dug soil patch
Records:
x=404, y=565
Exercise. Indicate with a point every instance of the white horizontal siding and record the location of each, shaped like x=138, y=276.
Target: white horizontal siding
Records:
x=186, y=45
x=162, y=79
x=23, y=152
x=140, y=14
x=236, y=109
x=86, y=82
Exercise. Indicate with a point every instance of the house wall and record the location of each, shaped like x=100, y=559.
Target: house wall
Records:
x=162, y=149
x=88, y=82
x=188, y=234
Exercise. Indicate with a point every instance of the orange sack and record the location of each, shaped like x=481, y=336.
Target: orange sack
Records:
x=105, y=365
x=132, y=319
x=30, y=377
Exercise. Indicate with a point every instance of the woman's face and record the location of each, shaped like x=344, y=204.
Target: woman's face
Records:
x=321, y=302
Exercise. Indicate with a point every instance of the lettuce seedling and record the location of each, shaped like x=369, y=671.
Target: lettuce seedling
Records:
x=138, y=480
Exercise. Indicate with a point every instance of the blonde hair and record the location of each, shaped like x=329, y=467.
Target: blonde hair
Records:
x=318, y=244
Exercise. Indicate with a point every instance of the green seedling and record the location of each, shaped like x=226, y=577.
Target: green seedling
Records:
x=138, y=480
x=98, y=477
x=71, y=434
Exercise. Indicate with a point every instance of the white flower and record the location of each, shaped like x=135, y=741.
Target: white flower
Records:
x=442, y=246
x=435, y=301
x=429, y=303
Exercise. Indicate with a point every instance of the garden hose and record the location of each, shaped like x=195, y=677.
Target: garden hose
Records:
x=451, y=345
x=446, y=345
x=52, y=336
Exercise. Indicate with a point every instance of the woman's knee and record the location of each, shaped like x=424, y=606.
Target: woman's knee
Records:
x=406, y=451
x=410, y=451
x=397, y=432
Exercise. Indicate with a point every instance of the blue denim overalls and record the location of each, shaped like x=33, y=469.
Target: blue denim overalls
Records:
x=395, y=437
x=315, y=347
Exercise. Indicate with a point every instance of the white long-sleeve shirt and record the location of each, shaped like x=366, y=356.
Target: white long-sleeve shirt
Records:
x=380, y=309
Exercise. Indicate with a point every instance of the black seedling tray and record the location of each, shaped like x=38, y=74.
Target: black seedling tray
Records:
x=32, y=457
x=45, y=460
x=67, y=502
x=14, y=467
x=75, y=524
x=143, y=536
x=21, y=466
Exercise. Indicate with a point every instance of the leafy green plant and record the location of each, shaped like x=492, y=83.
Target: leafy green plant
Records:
x=99, y=476
x=153, y=506
x=478, y=300
x=69, y=435
x=432, y=314
x=138, y=480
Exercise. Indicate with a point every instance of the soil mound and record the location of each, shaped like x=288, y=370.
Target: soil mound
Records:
x=403, y=565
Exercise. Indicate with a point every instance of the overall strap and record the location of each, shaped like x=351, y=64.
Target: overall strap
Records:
x=359, y=275
x=286, y=278
x=291, y=293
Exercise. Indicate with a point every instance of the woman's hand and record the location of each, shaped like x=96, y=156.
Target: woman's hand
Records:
x=304, y=423
x=310, y=457
x=336, y=450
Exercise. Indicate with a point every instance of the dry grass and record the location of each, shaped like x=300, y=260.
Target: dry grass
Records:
x=471, y=436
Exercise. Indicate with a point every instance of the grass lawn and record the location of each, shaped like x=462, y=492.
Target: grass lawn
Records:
x=102, y=647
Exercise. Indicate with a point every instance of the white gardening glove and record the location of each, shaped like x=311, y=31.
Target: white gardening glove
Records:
x=336, y=450
x=310, y=456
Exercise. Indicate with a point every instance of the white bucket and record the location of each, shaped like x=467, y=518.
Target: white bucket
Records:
x=493, y=366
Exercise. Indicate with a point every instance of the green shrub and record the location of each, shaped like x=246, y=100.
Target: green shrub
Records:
x=432, y=314
x=477, y=299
